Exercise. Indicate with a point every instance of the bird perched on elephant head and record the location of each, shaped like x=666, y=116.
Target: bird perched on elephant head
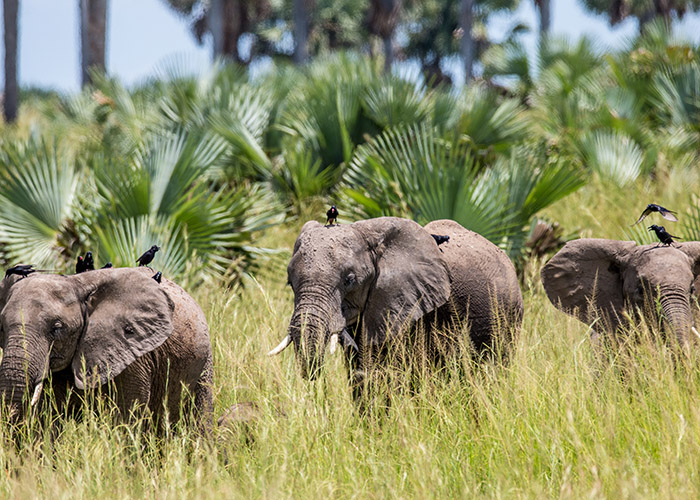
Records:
x=664, y=236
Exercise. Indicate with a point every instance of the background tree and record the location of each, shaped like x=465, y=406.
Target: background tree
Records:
x=382, y=18
x=11, y=94
x=644, y=10
x=438, y=29
x=301, y=30
x=225, y=20
x=466, y=23
x=544, y=7
x=93, y=29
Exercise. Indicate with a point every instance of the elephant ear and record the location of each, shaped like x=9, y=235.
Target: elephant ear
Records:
x=692, y=250
x=127, y=315
x=585, y=279
x=5, y=286
x=411, y=278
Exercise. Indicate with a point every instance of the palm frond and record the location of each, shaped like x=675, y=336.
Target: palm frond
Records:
x=122, y=241
x=37, y=201
x=489, y=122
x=392, y=101
x=613, y=155
x=411, y=171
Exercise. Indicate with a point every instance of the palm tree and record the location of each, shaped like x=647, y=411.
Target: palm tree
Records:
x=644, y=10
x=301, y=30
x=93, y=29
x=11, y=95
x=466, y=21
x=544, y=7
x=225, y=20
x=383, y=16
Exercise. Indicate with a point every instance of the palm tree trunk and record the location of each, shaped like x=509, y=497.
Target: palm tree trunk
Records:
x=93, y=37
x=466, y=20
x=545, y=8
x=388, y=54
x=301, y=32
x=11, y=94
x=225, y=19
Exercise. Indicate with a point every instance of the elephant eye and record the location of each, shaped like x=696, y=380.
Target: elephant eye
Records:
x=350, y=279
x=57, y=328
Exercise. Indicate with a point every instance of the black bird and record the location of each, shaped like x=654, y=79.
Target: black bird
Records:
x=22, y=270
x=89, y=262
x=653, y=207
x=439, y=239
x=158, y=276
x=108, y=265
x=331, y=216
x=80, y=265
x=662, y=234
x=147, y=256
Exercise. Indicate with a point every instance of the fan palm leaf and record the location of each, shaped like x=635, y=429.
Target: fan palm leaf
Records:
x=411, y=171
x=613, y=155
x=489, y=122
x=392, y=101
x=37, y=201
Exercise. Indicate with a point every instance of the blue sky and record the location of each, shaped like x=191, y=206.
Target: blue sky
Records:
x=145, y=35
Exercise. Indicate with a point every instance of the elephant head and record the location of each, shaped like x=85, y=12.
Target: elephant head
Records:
x=596, y=278
x=379, y=274
x=94, y=323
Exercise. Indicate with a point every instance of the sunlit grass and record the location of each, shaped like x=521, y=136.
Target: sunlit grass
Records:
x=557, y=421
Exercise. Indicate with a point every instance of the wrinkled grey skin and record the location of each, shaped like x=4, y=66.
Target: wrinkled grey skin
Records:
x=597, y=280
x=377, y=276
x=106, y=325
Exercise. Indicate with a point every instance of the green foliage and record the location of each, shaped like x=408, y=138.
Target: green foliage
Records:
x=615, y=157
x=414, y=172
x=38, y=194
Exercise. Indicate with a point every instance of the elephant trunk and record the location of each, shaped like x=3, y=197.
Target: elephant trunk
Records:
x=310, y=331
x=309, y=335
x=19, y=374
x=677, y=315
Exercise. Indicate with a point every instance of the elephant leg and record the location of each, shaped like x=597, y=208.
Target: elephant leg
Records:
x=203, y=399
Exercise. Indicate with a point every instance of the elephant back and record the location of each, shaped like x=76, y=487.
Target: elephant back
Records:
x=479, y=272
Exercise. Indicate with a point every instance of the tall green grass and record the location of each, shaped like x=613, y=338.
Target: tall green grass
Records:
x=557, y=421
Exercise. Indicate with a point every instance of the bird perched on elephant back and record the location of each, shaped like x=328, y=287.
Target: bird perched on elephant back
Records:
x=110, y=325
x=370, y=282
x=598, y=280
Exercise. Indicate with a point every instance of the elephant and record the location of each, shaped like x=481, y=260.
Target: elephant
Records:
x=598, y=280
x=146, y=339
x=362, y=284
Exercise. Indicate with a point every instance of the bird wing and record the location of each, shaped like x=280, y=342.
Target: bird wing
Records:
x=646, y=212
x=668, y=215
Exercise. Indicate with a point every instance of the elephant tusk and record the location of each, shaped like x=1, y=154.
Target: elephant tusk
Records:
x=348, y=340
x=695, y=331
x=334, y=343
x=283, y=345
x=37, y=393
